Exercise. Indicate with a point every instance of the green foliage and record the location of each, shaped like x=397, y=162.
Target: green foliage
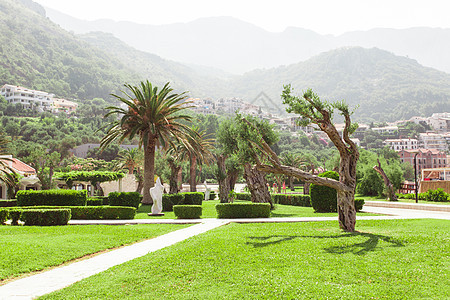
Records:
x=8, y=203
x=193, y=198
x=51, y=197
x=14, y=215
x=412, y=196
x=359, y=203
x=187, y=211
x=94, y=201
x=45, y=217
x=243, y=210
x=212, y=195
x=169, y=200
x=437, y=195
x=132, y=199
x=4, y=213
x=371, y=184
x=92, y=177
x=292, y=199
x=323, y=198
x=243, y=196
x=95, y=212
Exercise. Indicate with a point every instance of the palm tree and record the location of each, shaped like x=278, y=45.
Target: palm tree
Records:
x=132, y=160
x=198, y=149
x=7, y=174
x=154, y=116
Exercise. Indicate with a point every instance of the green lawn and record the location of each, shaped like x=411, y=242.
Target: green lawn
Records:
x=395, y=259
x=209, y=211
x=26, y=249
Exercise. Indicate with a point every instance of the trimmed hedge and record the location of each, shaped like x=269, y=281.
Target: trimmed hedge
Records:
x=243, y=196
x=4, y=213
x=359, y=203
x=292, y=199
x=14, y=215
x=94, y=202
x=132, y=199
x=8, y=203
x=45, y=217
x=212, y=195
x=323, y=198
x=94, y=212
x=169, y=200
x=193, y=198
x=187, y=211
x=52, y=198
x=243, y=210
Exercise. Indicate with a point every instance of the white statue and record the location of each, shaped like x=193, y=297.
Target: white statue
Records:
x=156, y=192
x=207, y=191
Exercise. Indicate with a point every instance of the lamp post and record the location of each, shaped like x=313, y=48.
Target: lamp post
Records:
x=415, y=177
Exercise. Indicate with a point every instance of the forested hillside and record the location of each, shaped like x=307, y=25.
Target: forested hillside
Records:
x=385, y=86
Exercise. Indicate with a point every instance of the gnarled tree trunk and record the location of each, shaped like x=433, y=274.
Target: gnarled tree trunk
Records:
x=224, y=188
x=391, y=196
x=257, y=184
x=173, y=180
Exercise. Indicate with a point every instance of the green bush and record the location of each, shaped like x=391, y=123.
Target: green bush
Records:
x=45, y=217
x=8, y=203
x=132, y=199
x=187, y=211
x=52, y=198
x=169, y=200
x=437, y=195
x=242, y=210
x=4, y=213
x=243, y=196
x=94, y=202
x=420, y=196
x=104, y=200
x=291, y=199
x=323, y=198
x=193, y=198
x=359, y=203
x=212, y=195
x=102, y=212
x=14, y=215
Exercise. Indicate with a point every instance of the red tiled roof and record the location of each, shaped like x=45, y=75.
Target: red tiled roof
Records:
x=22, y=167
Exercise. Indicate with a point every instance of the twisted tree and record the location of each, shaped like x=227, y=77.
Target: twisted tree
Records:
x=313, y=110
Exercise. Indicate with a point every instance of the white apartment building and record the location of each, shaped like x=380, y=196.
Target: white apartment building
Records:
x=27, y=97
x=440, y=122
x=386, y=130
x=402, y=144
x=430, y=140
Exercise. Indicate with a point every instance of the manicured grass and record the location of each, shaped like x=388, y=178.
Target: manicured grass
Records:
x=209, y=211
x=26, y=249
x=395, y=259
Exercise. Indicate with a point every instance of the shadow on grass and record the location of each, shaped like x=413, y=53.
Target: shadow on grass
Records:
x=362, y=248
x=278, y=215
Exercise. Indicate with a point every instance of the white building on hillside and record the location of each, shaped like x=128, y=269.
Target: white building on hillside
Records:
x=27, y=97
x=430, y=140
x=402, y=144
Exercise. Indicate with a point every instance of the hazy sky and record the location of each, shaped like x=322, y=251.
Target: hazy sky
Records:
x=322, y=16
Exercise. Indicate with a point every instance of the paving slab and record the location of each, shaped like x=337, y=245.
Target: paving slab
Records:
x=416, y=206
x=60, y=277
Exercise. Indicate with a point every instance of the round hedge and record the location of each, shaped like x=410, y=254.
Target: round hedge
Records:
x=187, y=211
x=243, y=210
x=323, y=198
x=45, y=217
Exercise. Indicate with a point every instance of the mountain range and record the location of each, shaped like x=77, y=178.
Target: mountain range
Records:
x=37, y=53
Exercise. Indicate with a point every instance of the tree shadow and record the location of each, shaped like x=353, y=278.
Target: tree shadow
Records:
x=370, y=244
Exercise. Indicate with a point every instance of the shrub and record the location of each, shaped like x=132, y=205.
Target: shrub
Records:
x=291, y=199
x=359, y=203
x=243, y=210
x=169, y=200
x=212, y=195
x=14, y=215
x=323, y=198
x=437, y=195
x=102, y=212
x=52, y=197
x=132, y=199
x=45, y=217
x=104, y=199
x=94, y=202
x=193, y=198
x=8, y=203
x=3, y=215
x=187, y=211
x=243, y=196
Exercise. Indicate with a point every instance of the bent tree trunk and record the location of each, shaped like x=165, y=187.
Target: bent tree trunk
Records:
x=391, y=196
x=224, y=188
x=149, y=172
x=257, y=185
x=173, y=180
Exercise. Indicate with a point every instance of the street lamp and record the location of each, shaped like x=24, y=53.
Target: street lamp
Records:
x=415, y=177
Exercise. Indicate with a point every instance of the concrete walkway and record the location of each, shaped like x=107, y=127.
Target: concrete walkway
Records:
x=60, y=277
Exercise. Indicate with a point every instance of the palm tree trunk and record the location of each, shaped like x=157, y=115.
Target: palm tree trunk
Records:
x=174, y=169
x=224, y=187
x=149, y=172
x=257, y=185
x=192, y=173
